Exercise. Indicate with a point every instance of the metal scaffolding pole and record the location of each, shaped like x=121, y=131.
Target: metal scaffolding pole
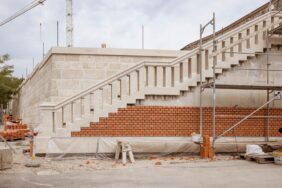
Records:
x=267, y=92
x=267, y=79
x=214, y=96
x=202, y=30
x=201, y=79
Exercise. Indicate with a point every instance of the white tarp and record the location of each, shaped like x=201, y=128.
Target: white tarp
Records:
x=252, y=149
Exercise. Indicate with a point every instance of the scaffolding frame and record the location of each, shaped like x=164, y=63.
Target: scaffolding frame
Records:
x=269, y=88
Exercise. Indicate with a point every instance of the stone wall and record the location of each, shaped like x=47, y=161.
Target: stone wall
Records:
x=34, y=90
x=66, y=71
x=74, y=73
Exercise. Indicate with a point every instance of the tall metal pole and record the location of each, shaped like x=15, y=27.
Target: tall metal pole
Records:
x=202, y=29
x=43, y=50
x=69, y=24
x=267, y=76
x=142, y=36
x=268, y=92
x=213, y=90
x=57, y=33
x=201, y=79
x=40, y=31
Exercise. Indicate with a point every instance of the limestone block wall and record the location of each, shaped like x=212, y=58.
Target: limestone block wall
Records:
x=66, y=71
x=35, y=88
x=79, y=70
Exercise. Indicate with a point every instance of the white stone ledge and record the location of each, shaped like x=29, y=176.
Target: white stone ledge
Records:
x=117, y=52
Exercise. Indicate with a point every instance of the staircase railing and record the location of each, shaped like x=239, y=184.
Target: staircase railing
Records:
x=156, y=78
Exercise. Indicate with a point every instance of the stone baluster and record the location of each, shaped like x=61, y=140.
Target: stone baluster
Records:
x=159, y=76
x=240, y=44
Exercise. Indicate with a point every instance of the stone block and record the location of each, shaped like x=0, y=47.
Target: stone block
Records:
x=71, y=74
x=101, y=65
x=6, y=158
x=56, y=74
x=111, y=73
x=72, y=57
x=99, y=75
x=87, y=58
x=58, y=58
x=115, y=66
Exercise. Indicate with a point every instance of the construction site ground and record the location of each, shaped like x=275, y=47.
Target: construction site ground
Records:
x=147, y=171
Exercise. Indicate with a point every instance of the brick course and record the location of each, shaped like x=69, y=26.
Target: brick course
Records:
x=179, y=121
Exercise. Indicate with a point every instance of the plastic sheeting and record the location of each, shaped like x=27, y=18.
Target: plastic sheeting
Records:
x=104, y=147
x=254, y=150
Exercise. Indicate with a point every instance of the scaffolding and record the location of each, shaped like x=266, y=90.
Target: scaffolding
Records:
x=269, y=88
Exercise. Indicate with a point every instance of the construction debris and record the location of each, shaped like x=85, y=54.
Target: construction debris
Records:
x=32, y=164
x=259, y=158
x=13, y=130
x=277, y=154
x=158, y=163
x=255, y=153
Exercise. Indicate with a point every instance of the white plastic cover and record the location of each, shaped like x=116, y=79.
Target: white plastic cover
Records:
x=254, y=150
x=104, y=147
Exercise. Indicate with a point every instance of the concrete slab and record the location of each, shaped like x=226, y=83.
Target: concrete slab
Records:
x=217, y=174
x=6, y=158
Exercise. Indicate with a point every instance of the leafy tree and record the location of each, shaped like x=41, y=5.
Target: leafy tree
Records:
x=8, y=83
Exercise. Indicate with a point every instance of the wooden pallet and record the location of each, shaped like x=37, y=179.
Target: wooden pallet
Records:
x=261, y=159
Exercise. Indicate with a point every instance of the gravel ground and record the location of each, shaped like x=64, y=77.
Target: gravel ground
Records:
x=61, y=165
x=148, y=171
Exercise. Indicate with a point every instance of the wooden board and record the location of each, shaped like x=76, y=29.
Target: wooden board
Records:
x=261, y=159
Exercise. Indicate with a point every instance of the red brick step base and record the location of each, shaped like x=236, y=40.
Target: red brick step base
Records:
x=179, y=121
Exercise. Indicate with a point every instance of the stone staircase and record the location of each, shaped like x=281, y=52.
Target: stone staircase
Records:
x=174, y=78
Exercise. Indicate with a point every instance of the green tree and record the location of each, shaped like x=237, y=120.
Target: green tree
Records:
x=8, y=83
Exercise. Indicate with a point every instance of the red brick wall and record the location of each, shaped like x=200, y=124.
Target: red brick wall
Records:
x=179, y=121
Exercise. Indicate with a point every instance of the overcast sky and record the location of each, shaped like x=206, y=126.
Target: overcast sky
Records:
x=169, y=24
